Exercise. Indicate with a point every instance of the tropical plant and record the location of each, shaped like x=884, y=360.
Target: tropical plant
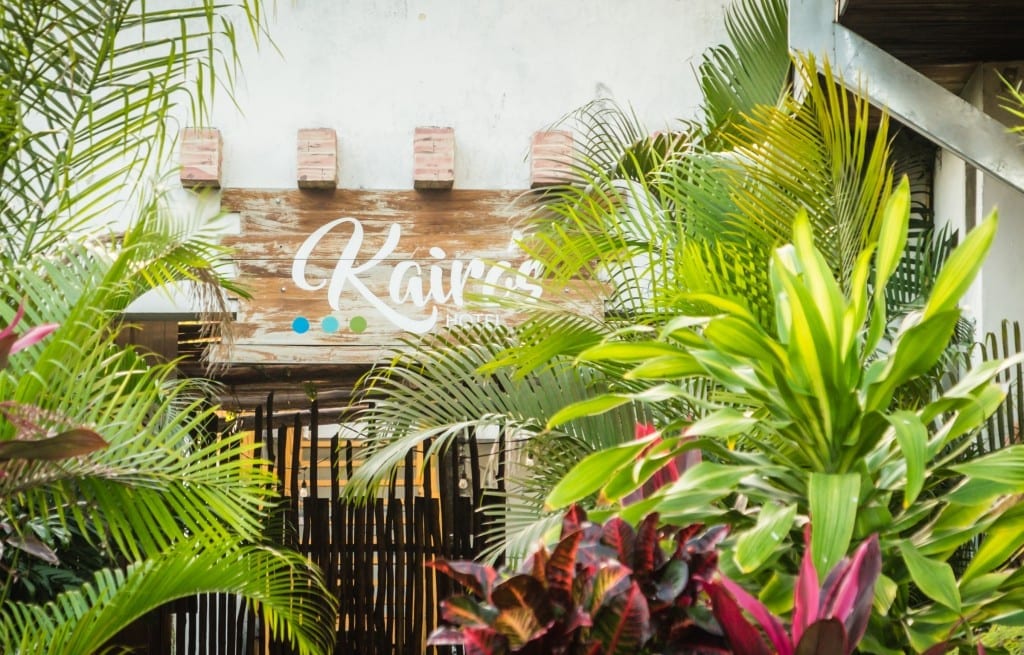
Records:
x=86, y=94
x=602, y=590
x=806, y=426
x=827, y=620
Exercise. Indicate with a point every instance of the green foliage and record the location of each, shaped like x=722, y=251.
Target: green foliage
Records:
x=100, y=465
x=811, y=409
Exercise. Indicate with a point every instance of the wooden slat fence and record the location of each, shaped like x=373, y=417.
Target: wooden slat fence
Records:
x=373, y=555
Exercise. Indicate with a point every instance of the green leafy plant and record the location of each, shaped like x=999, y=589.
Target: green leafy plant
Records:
x=807, y=424
x=602, y=590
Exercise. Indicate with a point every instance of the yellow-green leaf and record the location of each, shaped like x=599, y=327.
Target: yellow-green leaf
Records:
x=833, y=499
x=912, y=437
x=961, y=268
x=593, y=471
x=892, y=239
x=935, y=579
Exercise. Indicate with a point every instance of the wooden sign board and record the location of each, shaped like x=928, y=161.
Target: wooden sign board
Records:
x=340, y=277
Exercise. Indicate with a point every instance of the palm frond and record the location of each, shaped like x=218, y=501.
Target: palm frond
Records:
x=89, y=89
x=283, y=587
x=444, y=385
x=751, y=70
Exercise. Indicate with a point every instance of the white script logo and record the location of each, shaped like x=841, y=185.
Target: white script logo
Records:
x=411, y=283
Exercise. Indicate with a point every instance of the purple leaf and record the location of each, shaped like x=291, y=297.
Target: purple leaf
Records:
x=483, y=641
x=445, y=636
x=855, y=590
x=33, y=336
x=33, y=546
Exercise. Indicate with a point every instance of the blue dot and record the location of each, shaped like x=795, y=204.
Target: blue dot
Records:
x=329, y=324
x=300, y=325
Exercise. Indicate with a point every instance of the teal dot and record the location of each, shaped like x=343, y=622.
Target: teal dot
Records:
x=329, y=324
x=300, y=325
x=357, y=324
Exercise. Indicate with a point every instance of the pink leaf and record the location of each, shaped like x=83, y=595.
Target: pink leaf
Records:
x=9, y=330
x=35, y=335
x=805, y=601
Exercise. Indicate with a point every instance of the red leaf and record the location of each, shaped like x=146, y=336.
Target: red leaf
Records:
x=768, y=622
x=647, y=555
x=561, y=569
x=623, y=626
x=478, y=578
x=619, y=535
x=573, y=520
x=641, y=430
x=742, y=636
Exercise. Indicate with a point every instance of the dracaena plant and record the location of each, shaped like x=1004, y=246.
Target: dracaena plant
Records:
x=808, y=425
x=603, y=590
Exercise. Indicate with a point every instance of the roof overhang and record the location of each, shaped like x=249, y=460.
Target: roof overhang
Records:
x=904, y=91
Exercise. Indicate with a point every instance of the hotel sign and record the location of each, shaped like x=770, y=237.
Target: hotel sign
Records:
x=340, y=277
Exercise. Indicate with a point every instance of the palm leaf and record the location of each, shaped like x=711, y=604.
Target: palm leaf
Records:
x=297, y=609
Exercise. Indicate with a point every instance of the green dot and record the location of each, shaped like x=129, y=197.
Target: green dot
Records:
x=357, y=324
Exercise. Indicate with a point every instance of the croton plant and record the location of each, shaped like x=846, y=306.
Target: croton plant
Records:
x=612, y=590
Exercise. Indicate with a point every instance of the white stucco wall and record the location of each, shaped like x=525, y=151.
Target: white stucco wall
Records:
x=495, y=71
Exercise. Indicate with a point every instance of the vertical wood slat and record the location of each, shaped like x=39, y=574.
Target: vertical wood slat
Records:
x=294, y=497
x=270, y=429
